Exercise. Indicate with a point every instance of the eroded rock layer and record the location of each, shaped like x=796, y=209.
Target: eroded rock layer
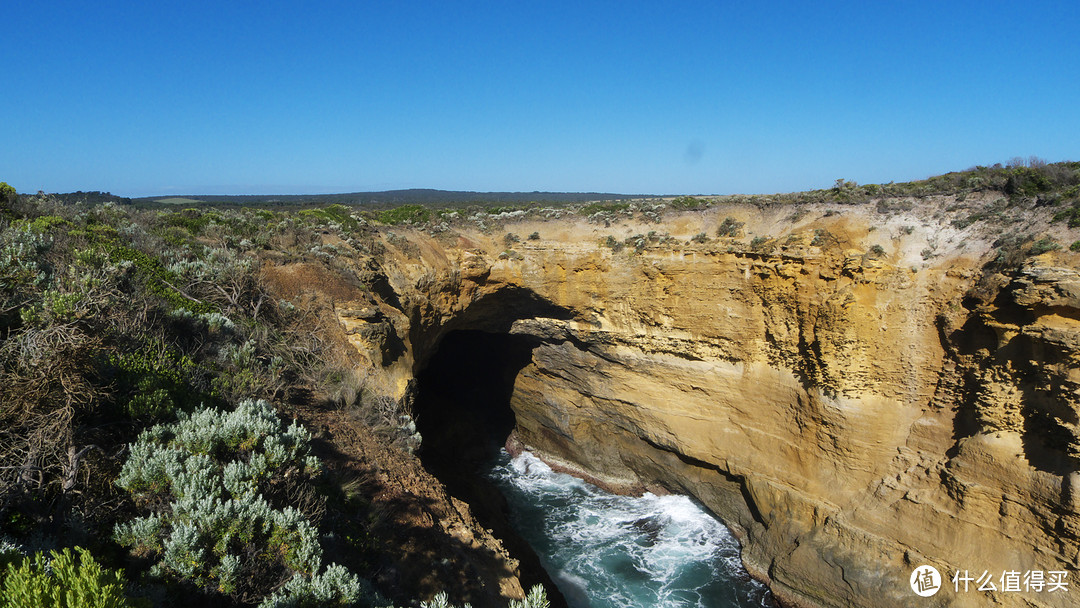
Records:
x=849, y=413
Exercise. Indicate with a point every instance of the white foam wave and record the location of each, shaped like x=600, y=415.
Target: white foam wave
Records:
x=656, y=551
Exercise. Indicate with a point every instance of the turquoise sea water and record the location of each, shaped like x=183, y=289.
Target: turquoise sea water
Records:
x=605, y=550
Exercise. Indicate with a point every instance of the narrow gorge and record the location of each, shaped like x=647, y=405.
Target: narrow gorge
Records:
x=854, y=390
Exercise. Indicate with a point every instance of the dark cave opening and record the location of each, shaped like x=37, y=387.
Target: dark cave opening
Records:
x=462, y=410
x=463, y=397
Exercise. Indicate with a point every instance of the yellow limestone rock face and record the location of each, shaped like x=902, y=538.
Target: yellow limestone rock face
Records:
x=850, y=417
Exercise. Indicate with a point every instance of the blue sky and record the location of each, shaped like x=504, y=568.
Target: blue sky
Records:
x=149, y=98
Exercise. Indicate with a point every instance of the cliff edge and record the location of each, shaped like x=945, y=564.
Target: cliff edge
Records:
x=856, y=390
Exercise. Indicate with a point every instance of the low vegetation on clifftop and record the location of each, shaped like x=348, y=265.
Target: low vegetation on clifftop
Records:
x=210, y=403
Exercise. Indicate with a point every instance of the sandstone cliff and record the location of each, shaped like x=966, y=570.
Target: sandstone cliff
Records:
x=850, y=411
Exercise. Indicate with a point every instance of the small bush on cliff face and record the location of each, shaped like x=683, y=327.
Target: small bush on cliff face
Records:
x=1043, y=245
x=761, y=244
x=730, y=227
x=213, y=484
x=615, y=244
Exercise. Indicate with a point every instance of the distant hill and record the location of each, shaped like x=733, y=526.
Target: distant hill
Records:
x=388, y=197
x=93, y=197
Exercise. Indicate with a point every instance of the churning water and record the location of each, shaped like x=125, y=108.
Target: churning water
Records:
x=605, y=550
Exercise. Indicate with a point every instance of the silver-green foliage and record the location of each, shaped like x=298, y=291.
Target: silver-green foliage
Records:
x=204, y=473
x=536, y=598
x=20, y=251
x=335, y=586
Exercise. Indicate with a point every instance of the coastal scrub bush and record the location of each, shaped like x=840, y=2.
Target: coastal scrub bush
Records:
x=214, y=484
x=62, y=581
x=405, y=214
x=730, y=227
x=21, y=270
x=613, y=243
x=7, y=195
x=1043, y=245
x=337, y=214
x=686, y=202
x=760, y=243
x=594, y=208
x=536, y=598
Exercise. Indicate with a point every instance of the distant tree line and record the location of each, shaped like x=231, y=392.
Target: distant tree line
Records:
x=92, y=197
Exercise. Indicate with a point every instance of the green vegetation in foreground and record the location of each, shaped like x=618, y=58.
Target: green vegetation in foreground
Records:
x=60, y=580
x=141, y=352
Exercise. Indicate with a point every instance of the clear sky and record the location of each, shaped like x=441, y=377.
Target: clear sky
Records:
x=193, y=97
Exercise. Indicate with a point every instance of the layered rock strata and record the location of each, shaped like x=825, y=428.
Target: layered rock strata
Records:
x=849, y=413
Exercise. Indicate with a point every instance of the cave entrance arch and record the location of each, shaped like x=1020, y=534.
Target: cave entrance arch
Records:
x=463, y=398
x=467, y=369
x=462, y=410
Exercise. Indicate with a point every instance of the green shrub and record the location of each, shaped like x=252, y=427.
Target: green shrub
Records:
x=1024, y=181
x=639, y=242
x=336, y=587
x=730, y=227
x=159, y=279
x=877, y=251
x=1075, y=246
x=594, y=208
x=1043, y=245
x=337, y=214
x=405, y=214
x=20, y=270
x=192, y=220
x=1071, y=213
x=209, y=475
x=534, y=236
x=536, y=598
x=59, y=581
x=700, y=237
x=758, y=243
x=152, y=381
x=822, y=238
x=688, y=202
x=41, y=224
x=9, y=552
x=613, y=243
